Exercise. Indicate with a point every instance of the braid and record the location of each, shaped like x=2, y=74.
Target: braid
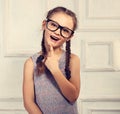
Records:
x=43, y=45
x=39, y=62
x=67, y=65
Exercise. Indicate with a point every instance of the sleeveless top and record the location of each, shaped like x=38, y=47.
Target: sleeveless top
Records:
x=48, y=96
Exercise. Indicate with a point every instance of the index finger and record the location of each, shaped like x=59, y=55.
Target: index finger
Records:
x=51, y=48
x=50, y=52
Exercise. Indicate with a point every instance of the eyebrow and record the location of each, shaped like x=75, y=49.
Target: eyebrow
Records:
x=59, y=24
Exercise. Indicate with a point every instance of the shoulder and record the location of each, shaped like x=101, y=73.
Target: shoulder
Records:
x=75, y=61
x=75, y=57
x=28, y=62
x=28, y=68
x=32, y=59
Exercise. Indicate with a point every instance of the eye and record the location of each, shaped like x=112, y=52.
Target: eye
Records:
x=53, y=24
x=65, y=30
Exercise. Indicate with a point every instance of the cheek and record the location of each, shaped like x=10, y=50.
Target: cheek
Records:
x=47, y=34
x=62, y=41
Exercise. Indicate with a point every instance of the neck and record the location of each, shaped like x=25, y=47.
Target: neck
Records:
x=56, y=50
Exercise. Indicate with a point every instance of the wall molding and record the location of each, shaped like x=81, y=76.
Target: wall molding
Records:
x=11, y=99
x=16, y=32
x=88, y=15
x=85, y=50
x=103, y=110
x=100, y=98
x=12, y=105
x=95, y=22
x=101, y=105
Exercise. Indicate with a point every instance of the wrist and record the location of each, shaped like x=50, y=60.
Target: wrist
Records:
x=55, y=70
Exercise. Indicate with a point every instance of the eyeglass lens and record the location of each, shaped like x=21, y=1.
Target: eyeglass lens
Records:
x=64, y=31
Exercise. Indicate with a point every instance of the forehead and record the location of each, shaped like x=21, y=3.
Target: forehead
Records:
x=63, y=19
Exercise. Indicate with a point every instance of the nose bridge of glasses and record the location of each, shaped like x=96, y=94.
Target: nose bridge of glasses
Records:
x=59, y=29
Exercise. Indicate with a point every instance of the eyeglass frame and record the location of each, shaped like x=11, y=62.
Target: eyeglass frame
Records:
x=59, y=27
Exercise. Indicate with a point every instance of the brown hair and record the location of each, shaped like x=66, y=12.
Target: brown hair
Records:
x=40, y=64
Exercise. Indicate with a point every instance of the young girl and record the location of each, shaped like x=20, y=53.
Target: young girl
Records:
x=51, y=82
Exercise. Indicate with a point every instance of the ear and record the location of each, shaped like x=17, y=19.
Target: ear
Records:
x=43, y=24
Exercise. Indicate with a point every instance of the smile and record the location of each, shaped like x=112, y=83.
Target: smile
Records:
x=54, y=38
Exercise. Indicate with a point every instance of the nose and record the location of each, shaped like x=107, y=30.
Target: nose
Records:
x=58, y=31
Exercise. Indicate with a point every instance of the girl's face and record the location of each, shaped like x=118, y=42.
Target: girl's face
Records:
x=56, y=37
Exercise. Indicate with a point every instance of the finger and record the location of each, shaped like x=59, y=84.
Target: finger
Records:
x=50, y=52
x=51, y=49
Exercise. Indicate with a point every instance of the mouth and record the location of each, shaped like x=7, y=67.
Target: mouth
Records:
x=54, y=38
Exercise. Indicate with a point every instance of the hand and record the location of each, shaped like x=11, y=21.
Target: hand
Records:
x=52, y=60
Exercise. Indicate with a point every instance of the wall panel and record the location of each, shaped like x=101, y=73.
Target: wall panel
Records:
x=22, y=26
x=98, y=56
x=11, y=106
x=99, y=15
x=97, y=107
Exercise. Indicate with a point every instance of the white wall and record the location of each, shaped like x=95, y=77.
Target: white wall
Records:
x=96, y=42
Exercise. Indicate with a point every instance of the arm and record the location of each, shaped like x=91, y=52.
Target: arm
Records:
x=69, y=88
x=28, y=89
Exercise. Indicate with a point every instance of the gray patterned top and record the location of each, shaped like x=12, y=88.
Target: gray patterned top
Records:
x=48, y=96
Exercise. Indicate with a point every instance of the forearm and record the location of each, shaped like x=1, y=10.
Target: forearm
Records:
x=32, y=108
x=67, y=88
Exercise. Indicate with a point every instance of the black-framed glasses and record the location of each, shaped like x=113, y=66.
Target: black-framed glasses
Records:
x=64, y=31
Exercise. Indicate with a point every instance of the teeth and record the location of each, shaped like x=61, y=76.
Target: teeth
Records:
x=54, y=38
